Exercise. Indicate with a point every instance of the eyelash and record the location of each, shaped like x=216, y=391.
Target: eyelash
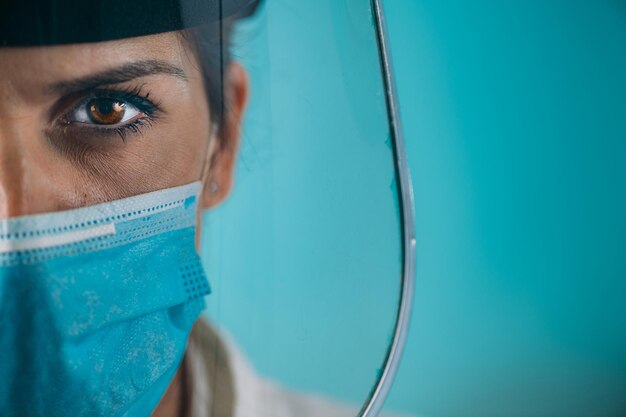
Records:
x=134, y=96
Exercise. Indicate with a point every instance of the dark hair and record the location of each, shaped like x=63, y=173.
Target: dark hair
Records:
x=211, y=43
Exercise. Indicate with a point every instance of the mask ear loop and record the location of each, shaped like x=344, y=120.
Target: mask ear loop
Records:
x=205, y=174
x=206, y=165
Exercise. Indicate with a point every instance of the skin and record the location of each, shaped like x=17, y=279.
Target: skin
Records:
x=50, y=162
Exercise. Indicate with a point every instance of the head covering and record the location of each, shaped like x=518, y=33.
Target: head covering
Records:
x=54, y=22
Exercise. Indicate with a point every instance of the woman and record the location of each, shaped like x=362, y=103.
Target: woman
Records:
x=119, y=124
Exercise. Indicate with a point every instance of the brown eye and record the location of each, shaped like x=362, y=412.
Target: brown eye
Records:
x=106, y=111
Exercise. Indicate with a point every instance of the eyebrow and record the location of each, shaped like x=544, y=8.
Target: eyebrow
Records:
x=117, y=75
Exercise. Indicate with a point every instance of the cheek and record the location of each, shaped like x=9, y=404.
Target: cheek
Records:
x=171, y=152
x=186, y=150
x=169, y=156
x=180, y=154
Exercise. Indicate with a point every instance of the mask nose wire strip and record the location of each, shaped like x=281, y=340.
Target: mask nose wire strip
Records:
x=41, y=242
x=374, y=403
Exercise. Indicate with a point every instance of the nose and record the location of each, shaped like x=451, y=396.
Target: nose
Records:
x=22, y=184
x=12, y=168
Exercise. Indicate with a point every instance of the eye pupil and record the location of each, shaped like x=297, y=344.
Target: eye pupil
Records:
x=106, y=111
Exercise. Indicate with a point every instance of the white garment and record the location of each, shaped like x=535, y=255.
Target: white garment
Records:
x=253, y=396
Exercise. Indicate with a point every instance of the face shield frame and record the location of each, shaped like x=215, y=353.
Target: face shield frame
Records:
x=374, y=403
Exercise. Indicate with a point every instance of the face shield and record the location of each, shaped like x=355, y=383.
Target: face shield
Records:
x=206, y=209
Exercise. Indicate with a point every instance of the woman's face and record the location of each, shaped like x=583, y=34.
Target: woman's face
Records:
x=83, y=124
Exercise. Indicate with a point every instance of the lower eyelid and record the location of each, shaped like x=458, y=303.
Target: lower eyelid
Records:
x=81, y=141
x=123, y=131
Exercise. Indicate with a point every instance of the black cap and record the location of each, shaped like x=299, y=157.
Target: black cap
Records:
x=54, y=22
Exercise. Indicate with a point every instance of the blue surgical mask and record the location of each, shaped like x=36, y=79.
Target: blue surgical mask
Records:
x=96, y=305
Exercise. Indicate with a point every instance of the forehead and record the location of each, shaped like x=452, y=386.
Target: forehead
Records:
x=32, y=67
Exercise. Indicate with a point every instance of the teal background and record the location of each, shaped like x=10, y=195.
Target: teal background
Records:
x=515, y=129
x=516, y=133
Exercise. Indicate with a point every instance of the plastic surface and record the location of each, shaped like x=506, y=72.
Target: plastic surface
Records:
x=306, y=255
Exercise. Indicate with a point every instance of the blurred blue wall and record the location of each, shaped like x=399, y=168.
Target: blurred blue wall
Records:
x=515, y=117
